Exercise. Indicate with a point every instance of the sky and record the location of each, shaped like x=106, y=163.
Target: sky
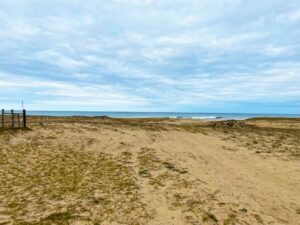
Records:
x=151, y=55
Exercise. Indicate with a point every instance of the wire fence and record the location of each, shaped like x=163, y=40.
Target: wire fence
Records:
x=13, y=119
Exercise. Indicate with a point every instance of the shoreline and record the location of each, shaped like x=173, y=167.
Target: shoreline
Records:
x=271, y=118
x=171, y=115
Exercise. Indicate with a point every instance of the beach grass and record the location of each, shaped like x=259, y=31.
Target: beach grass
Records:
x=126, y=171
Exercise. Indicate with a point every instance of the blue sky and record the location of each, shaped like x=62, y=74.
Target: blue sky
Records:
x=151, y=55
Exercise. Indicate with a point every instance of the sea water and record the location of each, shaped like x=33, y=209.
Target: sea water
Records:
x=183, y=115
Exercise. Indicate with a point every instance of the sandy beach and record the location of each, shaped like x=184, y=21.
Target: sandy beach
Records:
x=81, y=170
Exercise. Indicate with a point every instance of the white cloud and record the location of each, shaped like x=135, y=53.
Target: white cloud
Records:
x=150, y=53
x=56, y=58
x=281, y=50
x=290, y=17
x=70, y=94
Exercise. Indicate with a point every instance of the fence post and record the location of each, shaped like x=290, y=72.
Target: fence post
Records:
x=19, y=125
x=2, y=119
x=12, y=119
x=24, y=117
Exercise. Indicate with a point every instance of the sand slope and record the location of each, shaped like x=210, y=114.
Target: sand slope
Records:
x=103, y=171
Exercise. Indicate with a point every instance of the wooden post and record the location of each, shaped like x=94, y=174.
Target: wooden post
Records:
x=2, y=119
x=19, y=120
x=24, y=117
x=12, y=119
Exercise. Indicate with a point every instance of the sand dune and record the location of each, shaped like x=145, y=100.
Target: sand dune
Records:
x=150, y=171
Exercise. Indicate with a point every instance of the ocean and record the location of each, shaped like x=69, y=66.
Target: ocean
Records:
x=237, y=116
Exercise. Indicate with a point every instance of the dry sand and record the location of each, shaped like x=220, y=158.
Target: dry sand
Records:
x=150, y=171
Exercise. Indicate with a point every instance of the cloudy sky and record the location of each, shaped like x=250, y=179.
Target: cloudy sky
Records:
x=151, y=55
